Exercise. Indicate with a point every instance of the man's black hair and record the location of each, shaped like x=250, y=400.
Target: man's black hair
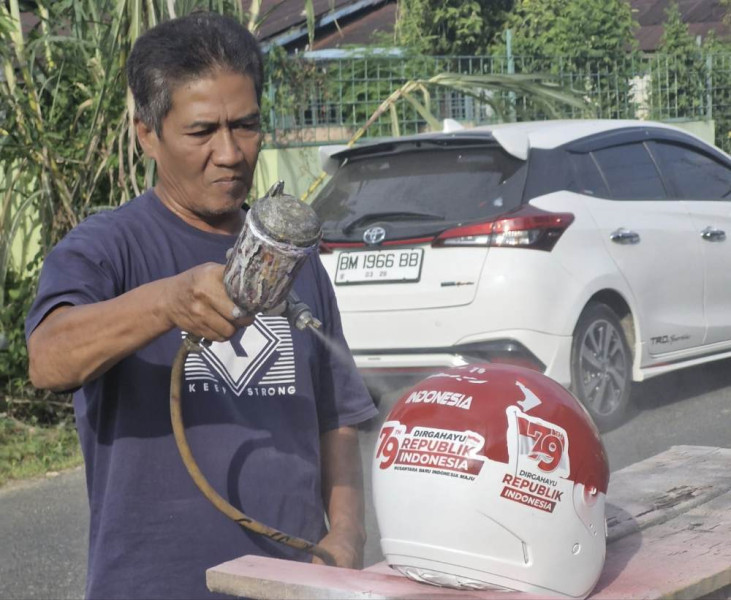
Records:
x=183, y=49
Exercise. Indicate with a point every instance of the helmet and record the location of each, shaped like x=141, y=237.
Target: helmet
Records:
x=492, y=476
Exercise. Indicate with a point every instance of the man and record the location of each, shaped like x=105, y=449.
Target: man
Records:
x=270, y=411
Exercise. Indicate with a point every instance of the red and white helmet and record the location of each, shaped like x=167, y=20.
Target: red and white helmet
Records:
x=492, y=476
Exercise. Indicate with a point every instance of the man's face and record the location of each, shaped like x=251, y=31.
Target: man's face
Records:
x=208, y=149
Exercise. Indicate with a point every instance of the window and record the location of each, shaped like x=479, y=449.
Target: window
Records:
x=694, y=174
x=407, y=186
x=630, y=173
x=586, y=176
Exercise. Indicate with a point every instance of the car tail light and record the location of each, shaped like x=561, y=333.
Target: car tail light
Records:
x=528, y=227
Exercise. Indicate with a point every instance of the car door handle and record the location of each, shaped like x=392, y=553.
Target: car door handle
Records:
x=711, y=234
x=624, y=236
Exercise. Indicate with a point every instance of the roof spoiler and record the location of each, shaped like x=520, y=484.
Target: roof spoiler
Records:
x=515, y=143
x=328, y=162
x=450, y=125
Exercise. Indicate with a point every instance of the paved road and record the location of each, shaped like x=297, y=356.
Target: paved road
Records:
x=43, y=524
x=43, y=528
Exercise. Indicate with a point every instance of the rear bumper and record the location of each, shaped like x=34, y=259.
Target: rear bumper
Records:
x=389, y=367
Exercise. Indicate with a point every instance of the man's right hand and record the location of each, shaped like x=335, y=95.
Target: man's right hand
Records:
x=196, y=302
x=76, y=344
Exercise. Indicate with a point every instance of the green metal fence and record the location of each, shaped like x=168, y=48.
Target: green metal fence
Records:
x=338, y=95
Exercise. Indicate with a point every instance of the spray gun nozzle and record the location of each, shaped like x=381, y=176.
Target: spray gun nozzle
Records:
x=307, y=320
x=299, y=314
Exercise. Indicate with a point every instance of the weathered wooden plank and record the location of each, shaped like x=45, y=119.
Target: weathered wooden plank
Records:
x=665, y=485
x=272, y=579
x=669, y=521
x=687, y=556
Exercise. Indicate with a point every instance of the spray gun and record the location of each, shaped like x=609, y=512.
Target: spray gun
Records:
x=279, y=233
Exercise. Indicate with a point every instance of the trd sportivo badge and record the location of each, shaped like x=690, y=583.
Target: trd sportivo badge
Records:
x=374, y=235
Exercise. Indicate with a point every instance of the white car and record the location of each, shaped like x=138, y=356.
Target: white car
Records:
x=592, y=250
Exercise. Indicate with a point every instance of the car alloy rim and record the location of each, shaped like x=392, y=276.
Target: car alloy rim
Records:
x=602, y=367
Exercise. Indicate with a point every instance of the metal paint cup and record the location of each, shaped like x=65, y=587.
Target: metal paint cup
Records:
x=278, y=235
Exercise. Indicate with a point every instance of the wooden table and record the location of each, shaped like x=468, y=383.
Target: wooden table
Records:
x=669, y=523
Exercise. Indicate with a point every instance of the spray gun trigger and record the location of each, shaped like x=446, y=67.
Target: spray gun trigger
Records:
x=277, y=311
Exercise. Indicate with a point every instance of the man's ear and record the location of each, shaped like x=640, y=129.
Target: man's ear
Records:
x=149, y=140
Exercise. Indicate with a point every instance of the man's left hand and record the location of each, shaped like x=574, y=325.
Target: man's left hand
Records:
x=346, y=548
x=342, y=493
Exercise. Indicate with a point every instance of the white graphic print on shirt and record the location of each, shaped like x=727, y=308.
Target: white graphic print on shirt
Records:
x=260, y=355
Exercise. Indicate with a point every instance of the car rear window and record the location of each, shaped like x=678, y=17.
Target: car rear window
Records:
x=421, y=189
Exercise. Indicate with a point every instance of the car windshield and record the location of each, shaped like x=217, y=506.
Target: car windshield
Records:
x=420, y=191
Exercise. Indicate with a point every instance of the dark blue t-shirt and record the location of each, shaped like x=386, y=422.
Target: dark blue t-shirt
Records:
x=254, y=409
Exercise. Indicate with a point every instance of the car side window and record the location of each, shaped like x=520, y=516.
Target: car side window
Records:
x=585, y=176
x=630, y=172
x=695, y=175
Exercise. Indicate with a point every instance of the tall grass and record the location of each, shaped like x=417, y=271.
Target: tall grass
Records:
x=67, y=145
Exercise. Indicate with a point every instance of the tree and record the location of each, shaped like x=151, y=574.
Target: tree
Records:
x=532, y=23
x=579, y=29
x=592, y=40
x=727, y=16
x=718, y=85
x=678, y=73
x=450, y=27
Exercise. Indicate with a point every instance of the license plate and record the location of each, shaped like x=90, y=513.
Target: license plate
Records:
x=379, y=266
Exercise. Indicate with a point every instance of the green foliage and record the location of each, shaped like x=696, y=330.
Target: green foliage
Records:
x=588, y=43
x=678, y=75
x=342, y=94
x=692, y=81
x=361, y=96
x=451, y=27
x=67, y=116
x=718, y=72
x=67, y=144
x=19, y=292
x=32, y=450
x=727, y=13
x=292, y=83
x=532, y=23
x=580, y=30
x=18, y=398
x=366, y=83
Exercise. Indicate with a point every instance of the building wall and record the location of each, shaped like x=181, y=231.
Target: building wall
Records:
x=703, y=129
x=297, y=167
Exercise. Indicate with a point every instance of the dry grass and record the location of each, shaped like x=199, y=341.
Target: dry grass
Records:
x=29, y=451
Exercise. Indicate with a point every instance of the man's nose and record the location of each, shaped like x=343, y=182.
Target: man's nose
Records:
x=226, y=150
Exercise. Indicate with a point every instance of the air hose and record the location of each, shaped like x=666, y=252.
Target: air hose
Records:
x=192, y=344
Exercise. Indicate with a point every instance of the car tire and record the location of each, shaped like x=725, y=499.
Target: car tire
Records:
x=601, y=366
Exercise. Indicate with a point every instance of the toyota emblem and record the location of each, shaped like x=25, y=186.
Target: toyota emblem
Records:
x=374, y=235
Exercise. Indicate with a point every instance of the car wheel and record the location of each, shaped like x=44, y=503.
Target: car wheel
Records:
x=601, y=366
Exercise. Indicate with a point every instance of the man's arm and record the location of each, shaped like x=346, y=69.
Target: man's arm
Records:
x=75, y=344
x=342, y=491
